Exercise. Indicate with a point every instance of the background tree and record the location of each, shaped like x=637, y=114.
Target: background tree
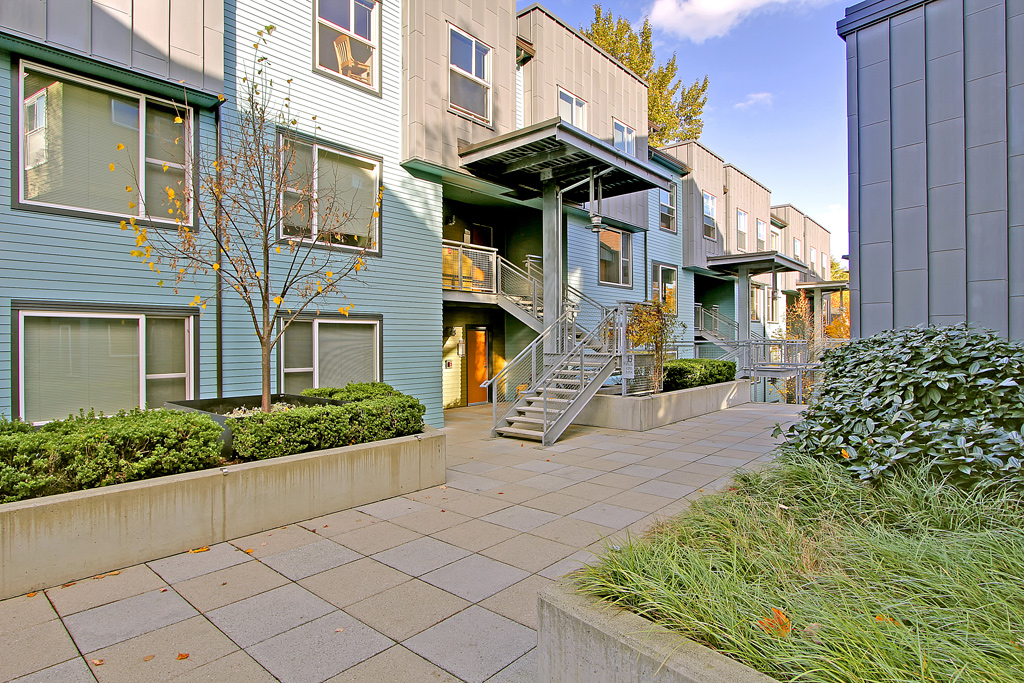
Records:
x=263, y=223
x=675, y=113
x=652, y=325
x=839, y=328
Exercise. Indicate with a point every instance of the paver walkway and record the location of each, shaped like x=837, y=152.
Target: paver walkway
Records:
x=439, y=585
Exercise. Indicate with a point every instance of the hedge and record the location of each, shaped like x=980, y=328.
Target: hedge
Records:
x=687, y=373
x=89, y=451
x=271, y=435
x=354, y=391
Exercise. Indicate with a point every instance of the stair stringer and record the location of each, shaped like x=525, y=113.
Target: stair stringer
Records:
x=558, y=427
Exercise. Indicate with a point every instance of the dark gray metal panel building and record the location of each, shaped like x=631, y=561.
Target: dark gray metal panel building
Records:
x=936, y=152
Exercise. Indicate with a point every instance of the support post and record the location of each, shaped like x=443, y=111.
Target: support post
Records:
x=552, y=242
x=743, y=315
x=819, y=331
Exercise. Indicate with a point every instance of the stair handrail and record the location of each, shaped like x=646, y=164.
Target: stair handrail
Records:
x=717, y=319
x=536, y=286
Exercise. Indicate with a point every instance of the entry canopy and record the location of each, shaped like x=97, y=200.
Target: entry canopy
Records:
x=525, y=159
x=825, y=286
x=756, y=263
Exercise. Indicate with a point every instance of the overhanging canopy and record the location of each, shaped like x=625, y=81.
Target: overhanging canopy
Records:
x=825, y=286
x=756, y=263
x=525, y=159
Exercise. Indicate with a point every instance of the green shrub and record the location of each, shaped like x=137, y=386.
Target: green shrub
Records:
x=948, y=398
x=354, y=391
x=89, y=451
x=270, y=435
x=687, y=373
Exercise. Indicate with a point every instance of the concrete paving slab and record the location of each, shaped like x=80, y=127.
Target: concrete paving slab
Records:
x=611, y=516
x=102, y=589
x=188, y=565
x=22, y=612
x=336, y=523
x=237, y=667
x=641, y=471
x=539, y=466
x=528, y=552
x=421, y=556
x=575, y=533
x=276, y=540
x=487, y=643
x=520, y=518
x=637, y=500
x=624, y=457
x=476, y=467
x=266, y=615
x=309, y=559
x=475, y=505
x=471, y=482
x=576, y=473
x=588, y=490
x=475, y=535
x=557, y=503
x=519, y=671
x=664, y=489
x=569, y=564
x=108, y=624
x=354, y=581
x=391, y=508
x=394, y=661
x=518, y=602
x=475, y=577
x=216, y=589
x=405, y=610
x=430, y=520
x=547, y=482
x=373, y=539
x=71, y=671
x=34, y=648
x=517, y=492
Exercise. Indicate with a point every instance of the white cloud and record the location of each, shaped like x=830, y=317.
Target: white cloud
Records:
x=755, y=98
x=699, y=20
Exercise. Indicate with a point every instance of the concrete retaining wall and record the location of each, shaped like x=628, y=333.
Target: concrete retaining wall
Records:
x=580, y=641
x=640, y=413
x=56, y=539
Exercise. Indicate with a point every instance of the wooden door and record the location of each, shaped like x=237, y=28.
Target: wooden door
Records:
x=477, y=363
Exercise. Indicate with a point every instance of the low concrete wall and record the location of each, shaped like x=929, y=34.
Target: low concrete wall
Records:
x=56, y=539
x=640, y=413
x=581, y=641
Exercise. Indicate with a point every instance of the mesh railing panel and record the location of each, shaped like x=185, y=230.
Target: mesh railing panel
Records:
x=525, y=291
x=467, y=269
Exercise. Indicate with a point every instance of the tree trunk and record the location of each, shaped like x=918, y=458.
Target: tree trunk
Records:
x=265, y=358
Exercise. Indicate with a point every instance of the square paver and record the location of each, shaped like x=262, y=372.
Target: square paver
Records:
x=624, y=458
x=309, y=559
x=664, y=488
x=406, y=609
x=577, y=473
x=276, y=540
x=320, y=649
x=35, y=648
x=354, y=581
x=641, y=471
x=375, y=538
x=338, y=523
x=475, y=535
x=519, y=601
x=617, y=480
x=530, y=553
x=520, y=518
x=216, y=589
x=188, y=565
x=431, y=520
x=487, y=643
x=22, y=612
x=539, y=466
x=421, y=556
x=237, y=667
x=558, y=503
x=263, y=616
x=72, y=671
x=588, y=490
x=546, y=482
x=515, y=493
x=117, y=621
x=476, y=467
x=471, y=482
x=567, y=565
x=93, y=592
x=382, y=667
x=475, y=505
x=523, y=669
x=611, y=516
x=475, y=577
x=635, y=500
x=391, y=508
x=574, y=533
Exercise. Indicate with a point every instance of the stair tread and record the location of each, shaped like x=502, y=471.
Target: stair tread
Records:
x=525, y=433
x=520, y=419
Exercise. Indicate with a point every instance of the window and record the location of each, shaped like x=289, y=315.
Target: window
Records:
x=826, y=266
x=572, y=109
x=614, y=257
x=710, y=213
x=798, y=249
x=741, y=230
x=664, y=285
x=104, y=362
x=469, y=86
x=330, y=197
x=329, y=353
x=762, y=234
x=623, y=137
x=346, y=38
x=71, y=128
x=668, y=209
x=814, y=259
x=773, y=306
x=776, y=240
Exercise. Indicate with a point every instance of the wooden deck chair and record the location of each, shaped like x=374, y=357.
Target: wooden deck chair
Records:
x=349, y=65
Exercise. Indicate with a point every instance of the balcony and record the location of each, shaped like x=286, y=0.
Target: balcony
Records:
x=467, y=268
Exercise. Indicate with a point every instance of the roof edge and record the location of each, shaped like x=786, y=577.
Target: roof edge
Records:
x=871, y=12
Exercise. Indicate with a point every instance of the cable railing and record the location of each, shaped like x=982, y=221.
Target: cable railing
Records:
x=711, y=321
x=468, y=268
x=516, y=284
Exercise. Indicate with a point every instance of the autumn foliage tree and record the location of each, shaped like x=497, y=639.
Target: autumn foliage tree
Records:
x=653, y=325
x=272, y=226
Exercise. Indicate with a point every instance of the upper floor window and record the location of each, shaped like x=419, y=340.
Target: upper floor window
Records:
x=71, y=129
x=346, y=38
x=623, y=137
x=710, y=216
x=615, y=257
x=814, y=259
x=798, y=249
x=668, y=209
x=741, y=230
x=826, y=265
x=572, y=109
x=762, y=234
x=469, y=87
x=663, y=285
x=330, y=197
x=776, y=242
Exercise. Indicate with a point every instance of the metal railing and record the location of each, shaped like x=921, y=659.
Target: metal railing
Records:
x=711, y=321
x=468, y=269
x=516, y=284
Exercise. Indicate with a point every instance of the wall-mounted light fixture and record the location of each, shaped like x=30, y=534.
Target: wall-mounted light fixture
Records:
x=461, y=348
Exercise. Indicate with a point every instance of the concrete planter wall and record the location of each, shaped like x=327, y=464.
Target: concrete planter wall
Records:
x=580, y=640
x=640, y=413
x=53, y=540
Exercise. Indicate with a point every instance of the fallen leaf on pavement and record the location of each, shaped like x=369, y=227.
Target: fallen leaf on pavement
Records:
x=182, y=655
x=225, y=583
x=200, y=550
x=148, y=658
x=248, y=551
x=326, y=525
x=443, y=510
x=442, y=487
x=96, y=662
x=338, y=630
x=32, y=594
x=113, y=573
x=72, y=583
x=163, y=590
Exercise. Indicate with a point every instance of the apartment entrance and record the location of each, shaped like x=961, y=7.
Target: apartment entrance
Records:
x=477, y=363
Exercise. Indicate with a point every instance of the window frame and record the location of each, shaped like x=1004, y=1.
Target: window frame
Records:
x=813, y=259
x=628, y=136
x=762, y=234
x=798, y=247
x=775, y=243
x=378, y=347
x=190, y=347
x=673, y=203
x=742, y=219
x=658, y=267
x=624, y=263
x=189, y=139
x=713, y=217
x=488, y=66
x=576, y=101
x=315, y=145
x=374, y=43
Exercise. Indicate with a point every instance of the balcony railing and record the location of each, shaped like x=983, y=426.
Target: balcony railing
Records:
x=468, y=268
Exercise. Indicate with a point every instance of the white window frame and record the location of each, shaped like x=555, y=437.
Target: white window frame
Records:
x=814, y=259
x=38, y=129
x=462, y=72
x=772, y=305
x=576, y=102
x=316, y=349
x=315, y=172
x=661, y=268
x=776, y=241
x=628, y=137
x=373, y=43
x=713, y=216
x=798, y=248
x=762, y=235
x=742, y=228
x=625, y=263
x=183, y=111
x=671, y=206
x=826, y=265
x=189, y=373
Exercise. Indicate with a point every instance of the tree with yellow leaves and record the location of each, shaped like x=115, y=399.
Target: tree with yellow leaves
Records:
x=266, y=212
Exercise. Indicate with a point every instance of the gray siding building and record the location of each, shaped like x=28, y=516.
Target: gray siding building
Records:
x=936, y=153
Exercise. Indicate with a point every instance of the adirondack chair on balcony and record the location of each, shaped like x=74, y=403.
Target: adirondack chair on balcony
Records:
x=348, y=64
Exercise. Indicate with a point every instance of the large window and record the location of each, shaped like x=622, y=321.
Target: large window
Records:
x=330, y=197
x=623, y=137
x=742, y=220
x=346, y=38
x=710, y=216
x=762, y=234
x=668, y=209
x=572, y=109
x=470, y=75
x=329, y=353
x=615, y=257
x=664, y=285
x=798, y=249
x=71, y=130
x=105, y=362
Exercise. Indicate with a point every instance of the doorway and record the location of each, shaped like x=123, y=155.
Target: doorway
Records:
x=477, y=363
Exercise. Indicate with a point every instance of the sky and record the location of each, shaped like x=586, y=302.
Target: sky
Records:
x=777, y=100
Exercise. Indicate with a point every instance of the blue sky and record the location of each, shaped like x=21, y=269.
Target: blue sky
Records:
x=777, y=100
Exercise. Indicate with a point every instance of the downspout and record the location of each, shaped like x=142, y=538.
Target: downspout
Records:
x=219, y=319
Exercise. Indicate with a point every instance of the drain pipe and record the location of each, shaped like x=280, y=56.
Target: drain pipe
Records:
x=219, y=319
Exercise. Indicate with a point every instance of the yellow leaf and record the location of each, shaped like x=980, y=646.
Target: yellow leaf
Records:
x=131, y=205
x=96, y=662
x=205, y=548
x=277, y=300
x=248, y=551
x=124, y=225
x=203, y=307
x=330, y=274
x=259, y=273
x=165, y=168
x=148, y=658
x=220, y=98
x=170, y=193
x=32, y=594
x=160, y=283
x=111, y=167
x=177, y=119
x=119, y=147
x=277, y=249
x=128, y=188
x=181, y=270
x=197, y=298
x=216, y=266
